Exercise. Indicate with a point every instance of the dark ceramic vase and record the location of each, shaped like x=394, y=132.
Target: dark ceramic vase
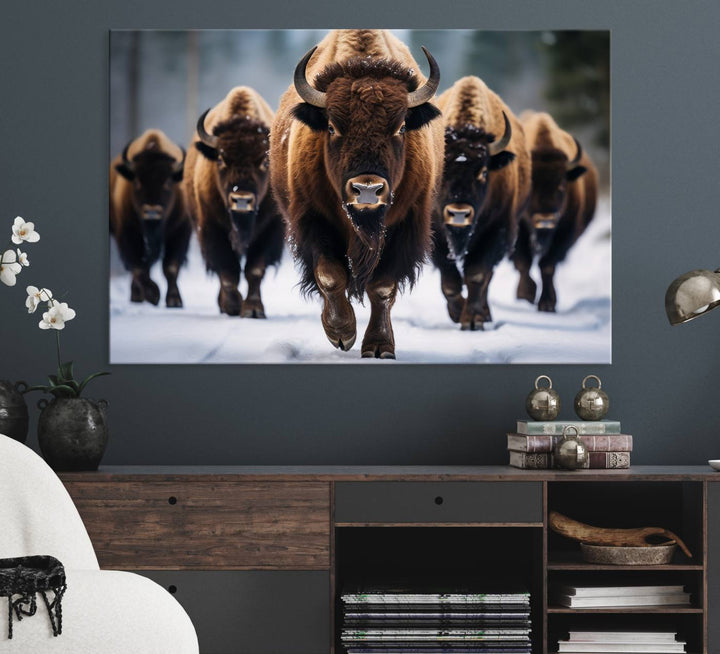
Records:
x=13, y=410
x=72, y=433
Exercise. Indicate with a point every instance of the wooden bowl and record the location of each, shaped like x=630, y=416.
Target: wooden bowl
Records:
x=616, y=555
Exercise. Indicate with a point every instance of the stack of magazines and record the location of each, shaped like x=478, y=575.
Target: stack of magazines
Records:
x=599, y=642
x=401, y=622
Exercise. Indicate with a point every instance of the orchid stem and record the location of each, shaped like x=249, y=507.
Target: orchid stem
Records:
x=57, y=333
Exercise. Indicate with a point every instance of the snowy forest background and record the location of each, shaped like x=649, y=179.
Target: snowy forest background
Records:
x=166, y=79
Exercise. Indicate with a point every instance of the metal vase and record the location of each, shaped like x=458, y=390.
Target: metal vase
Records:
x=13, y=410
x=73, y=433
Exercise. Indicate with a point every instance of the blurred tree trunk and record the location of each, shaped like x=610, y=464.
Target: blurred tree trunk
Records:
x=193, y=75
x=133, y=95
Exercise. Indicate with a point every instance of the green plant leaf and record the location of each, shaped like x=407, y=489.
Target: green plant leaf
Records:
x=88, y=379
x=65, y=371
x=63, y=391
x=53, y=380
x=45, y=389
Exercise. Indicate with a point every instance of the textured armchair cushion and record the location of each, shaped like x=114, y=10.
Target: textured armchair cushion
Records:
x=37, y=515
x=105, y=612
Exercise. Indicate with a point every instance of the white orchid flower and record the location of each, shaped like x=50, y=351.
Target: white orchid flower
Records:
x=36, y=296
x=22, y=231
x=56, y=317
x=22, y=258
x=9, y=267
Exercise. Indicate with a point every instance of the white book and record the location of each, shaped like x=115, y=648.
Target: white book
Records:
x=634, y=600
x=621, y=648
x=624, y=636
x=603, y=591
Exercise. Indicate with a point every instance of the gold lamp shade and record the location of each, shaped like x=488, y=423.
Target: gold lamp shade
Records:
x=691, y=295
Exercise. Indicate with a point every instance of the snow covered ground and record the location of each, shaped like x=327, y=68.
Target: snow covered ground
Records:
x=580, y=331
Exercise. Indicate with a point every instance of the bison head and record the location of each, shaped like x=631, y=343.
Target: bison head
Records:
x=363, y=110
x=239, y=149
x=153, y=174
x=552, y=171
x=471, y=156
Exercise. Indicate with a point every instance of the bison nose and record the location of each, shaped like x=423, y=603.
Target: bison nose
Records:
x=458, y=215
x=242, y=202
x=151, y=212
x=367, y=191
x=545, y=220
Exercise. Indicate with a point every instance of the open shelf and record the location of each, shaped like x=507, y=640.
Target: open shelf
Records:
x=626, y=609
x=572, y=560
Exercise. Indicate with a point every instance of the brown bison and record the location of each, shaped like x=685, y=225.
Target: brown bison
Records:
x=485, y=187
x=564, y=194
x=355, y=172
x=147, y=215
x=227, y=190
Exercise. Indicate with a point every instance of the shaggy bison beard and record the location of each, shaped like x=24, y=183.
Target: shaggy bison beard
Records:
x=365, y=249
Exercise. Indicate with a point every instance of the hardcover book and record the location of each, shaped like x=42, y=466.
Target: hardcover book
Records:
x=555, y=427
x=593, y=442
x=596, y=460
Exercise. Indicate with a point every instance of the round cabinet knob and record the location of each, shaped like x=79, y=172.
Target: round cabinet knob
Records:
x=172, y=500
x=591, y=403
x=543, y=403
x=439, y=500
x=570, y=453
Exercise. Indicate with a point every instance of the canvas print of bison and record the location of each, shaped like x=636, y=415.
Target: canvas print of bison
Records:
x=359, y=196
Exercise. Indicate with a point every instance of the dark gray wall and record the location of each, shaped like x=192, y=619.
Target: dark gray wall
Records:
x=663, y=382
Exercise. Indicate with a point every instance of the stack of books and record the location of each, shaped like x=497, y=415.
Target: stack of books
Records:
x=531, y=446
x=597, y=642
x=583, y=597
x=402, y=622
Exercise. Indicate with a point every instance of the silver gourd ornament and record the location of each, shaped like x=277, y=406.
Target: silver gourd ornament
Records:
x=591, y=403
x=543, y=403
x=570, y=452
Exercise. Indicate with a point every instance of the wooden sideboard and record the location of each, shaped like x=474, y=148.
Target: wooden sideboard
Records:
x=258, y=556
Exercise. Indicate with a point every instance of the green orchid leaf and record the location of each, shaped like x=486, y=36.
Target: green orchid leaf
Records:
x=65, y=371
x=53, y=380
x=45, y=389
x=63, y=391
x=89, y=378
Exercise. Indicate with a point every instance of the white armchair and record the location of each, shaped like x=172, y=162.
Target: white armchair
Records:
x=104, y=612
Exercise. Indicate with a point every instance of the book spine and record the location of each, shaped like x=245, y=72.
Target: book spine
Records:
x=603, y=461
x=556, y=428
x=530, y=461
x=593, y=442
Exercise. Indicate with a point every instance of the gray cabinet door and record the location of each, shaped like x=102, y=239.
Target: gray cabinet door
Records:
x=254, y=612
x=713, y=571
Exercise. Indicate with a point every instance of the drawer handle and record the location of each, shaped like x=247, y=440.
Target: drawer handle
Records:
x=172, y=500
x=439, y=500
x=172, y=589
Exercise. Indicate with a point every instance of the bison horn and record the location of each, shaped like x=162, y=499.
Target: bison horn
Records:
x=498, y=146
x=130, y=165
x=424, y=93
x=578, y=156
x=180, y=164
x=207, y=139
x=305, y=91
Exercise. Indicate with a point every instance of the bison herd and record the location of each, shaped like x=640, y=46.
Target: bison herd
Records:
x=366, y=174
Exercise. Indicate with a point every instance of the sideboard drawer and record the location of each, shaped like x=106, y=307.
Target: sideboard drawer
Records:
x=223, y=525
x=442, y=501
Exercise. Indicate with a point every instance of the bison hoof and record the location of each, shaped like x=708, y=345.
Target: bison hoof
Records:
x=343, y=342
x=474, y=320
x=253, y=309
x=378, y=351
x=474, y=325
x=173, y=300
x=547, y=306
x=527, y=290
x=152, y=292
x=136, y=292
x=455, y=308
x=230, y=302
